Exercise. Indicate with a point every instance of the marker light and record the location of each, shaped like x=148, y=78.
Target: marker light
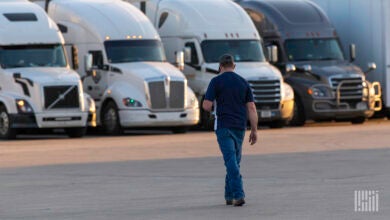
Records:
x=128, y=37
x=140, y=37
x=108, y=38
x=134, y=37
x=129, y=102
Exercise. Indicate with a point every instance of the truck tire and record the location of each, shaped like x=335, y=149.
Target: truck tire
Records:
x=180, y=130
x=110, y=119
x=299, y=117
x=6, y=132
x=359, y=120
x=277, y=124
x=75, y=132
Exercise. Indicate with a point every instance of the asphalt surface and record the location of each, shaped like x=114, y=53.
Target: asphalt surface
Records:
x=306, y=173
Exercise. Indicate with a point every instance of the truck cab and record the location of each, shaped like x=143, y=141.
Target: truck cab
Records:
x=37, y=87
x=205, y=30
x=326, y=84
x=131, y=82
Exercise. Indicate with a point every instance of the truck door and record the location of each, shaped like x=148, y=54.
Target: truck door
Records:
x=96, y=83
x=192, y=68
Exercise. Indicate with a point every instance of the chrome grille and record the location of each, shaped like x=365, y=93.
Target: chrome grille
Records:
x=266, y=93
x=158, y=95
x=177, y=94
x=351, y=89
x=60, y=97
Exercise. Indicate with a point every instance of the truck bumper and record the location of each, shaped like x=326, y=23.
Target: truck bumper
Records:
x=146, y=118
x=23, y=121
x=285, y=113
x=61, y=120
x=328, y=110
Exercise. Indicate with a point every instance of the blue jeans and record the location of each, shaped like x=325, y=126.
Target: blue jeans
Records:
x=230, y=143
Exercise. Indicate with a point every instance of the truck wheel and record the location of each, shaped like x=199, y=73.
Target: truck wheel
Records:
x=359, y=120
x=277, y=124
x=180, y=130
x=299, y=118
x=6, y=132
x=110, y=119
x=75, y=132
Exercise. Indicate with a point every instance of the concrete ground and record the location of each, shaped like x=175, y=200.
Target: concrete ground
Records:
x=293, y=173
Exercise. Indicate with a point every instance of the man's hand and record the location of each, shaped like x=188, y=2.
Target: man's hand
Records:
x=252, y=113
x=253, y=137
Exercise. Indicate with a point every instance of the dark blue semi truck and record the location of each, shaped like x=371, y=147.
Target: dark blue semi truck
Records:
x=326, y=84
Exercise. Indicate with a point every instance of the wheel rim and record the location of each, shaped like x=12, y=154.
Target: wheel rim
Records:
x=4, y=123
x=110, y=119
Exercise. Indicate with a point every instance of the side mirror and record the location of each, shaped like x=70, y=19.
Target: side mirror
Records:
x=88, y=62
x=371, y=67
x=180, y=60
x=272, y=52
x=352, y=52
x=187, y=55
x=307, y=68
x=290, y=68
x=75, y=57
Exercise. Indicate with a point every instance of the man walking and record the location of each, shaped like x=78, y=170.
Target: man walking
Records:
x=234, y=101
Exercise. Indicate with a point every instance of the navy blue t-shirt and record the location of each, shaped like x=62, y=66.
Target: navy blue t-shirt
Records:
x=231, y=92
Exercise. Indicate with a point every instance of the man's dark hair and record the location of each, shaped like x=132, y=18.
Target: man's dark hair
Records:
x=226, y=60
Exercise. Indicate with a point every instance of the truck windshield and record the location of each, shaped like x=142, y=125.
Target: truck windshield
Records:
x=313, y=49
x=241, y=50
x=123, y=51
x=32, y=56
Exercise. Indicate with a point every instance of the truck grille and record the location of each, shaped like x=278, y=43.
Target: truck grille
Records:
x=351, y=88
x=158, y=98
x=266, y=93
x=59, y=97
x=177, y=94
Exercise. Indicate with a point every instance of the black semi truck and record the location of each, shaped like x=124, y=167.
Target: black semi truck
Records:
x=327, y=86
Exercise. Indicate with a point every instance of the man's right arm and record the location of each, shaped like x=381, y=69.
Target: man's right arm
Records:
x=253, y=119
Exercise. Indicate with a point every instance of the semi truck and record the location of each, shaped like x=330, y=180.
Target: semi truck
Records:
x=38, y=89
x=367, y=25
x=327, y=85
x=204, y=31
x=131, y=82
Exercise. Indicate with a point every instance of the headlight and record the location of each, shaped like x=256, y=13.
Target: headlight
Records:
x=287, y=92
x=23, y=106
x=193, y=102
x=320, y=92
x=129, y=102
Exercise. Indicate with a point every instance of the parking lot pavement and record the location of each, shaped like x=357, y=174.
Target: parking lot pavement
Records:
x=317, y=185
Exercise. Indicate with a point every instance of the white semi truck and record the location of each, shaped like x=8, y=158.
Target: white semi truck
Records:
x=37, y=87
x=205, y=30
x=131, y=82
x=366, y=24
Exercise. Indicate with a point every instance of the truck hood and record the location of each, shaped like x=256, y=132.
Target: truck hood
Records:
x=325, y=69
x=47, y=76
x=251, y=70
x=142, y=71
